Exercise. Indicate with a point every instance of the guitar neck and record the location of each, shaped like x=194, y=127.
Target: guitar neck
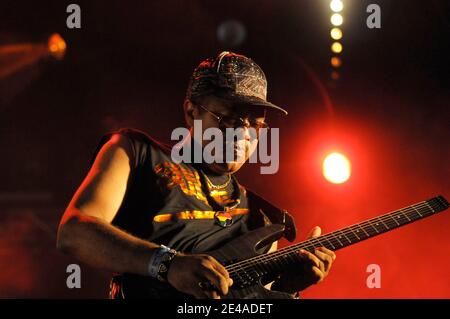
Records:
x=375, y=226
x=281, y=259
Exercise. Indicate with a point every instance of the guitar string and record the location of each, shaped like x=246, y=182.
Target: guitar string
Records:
x=333, y=240
x=383, y=218
x=245, y=269
x=306, y=244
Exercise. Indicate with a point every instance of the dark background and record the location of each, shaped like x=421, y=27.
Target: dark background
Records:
x=129, y=65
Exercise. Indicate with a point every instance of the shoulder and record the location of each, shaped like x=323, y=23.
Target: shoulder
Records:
x=138, y=138
x=137, y=144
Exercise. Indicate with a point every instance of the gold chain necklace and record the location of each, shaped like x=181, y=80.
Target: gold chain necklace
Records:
x=215, y=187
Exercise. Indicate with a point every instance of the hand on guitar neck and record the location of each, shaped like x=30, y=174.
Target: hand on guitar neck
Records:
x=314, y=268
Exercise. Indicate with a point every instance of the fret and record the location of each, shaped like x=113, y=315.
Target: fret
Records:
x=316, y=243
x=321, y=243
x=425, y=211
x=400, y=218
x=430, y=207
x=362, y=227
x=367, y=226
x=411, y=213
x=350, y=228
x=370, y=225
x=401, y=212
x=373, y=224
x=331, y=244
x=343, y=234
x=359, y=225
x=415, y=209
x=369, y=229
x=387, y=228
x=393, y=218
x=336, y=238
x=352, y=238
x=307, y=246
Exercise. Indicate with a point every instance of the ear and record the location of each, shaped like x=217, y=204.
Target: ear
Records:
x=190, y=112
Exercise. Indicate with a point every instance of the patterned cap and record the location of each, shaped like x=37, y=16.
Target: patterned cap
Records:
x=233, y=77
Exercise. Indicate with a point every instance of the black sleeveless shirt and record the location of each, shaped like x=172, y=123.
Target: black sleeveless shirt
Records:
x=170, y=204
x=166, y=203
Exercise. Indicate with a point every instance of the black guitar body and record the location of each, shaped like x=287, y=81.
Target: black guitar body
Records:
x=248, y=286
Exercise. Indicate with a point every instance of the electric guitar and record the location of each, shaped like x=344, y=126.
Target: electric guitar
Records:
x=248, y=266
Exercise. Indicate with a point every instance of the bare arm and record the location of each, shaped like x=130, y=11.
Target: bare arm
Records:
x=85, y=230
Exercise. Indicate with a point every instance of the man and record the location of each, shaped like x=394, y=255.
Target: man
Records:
x=143, y=216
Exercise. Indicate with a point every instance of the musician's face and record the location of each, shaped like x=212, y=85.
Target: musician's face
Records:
x=208, y=109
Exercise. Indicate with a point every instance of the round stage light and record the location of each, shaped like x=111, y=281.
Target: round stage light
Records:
x=336, y=62
x=336, y=5
x=56, y=46
x=336, y=168
x=336, y=47
x=336, y=19
x=336, y=34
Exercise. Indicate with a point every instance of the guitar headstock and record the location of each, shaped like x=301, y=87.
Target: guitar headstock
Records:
x=439, y=203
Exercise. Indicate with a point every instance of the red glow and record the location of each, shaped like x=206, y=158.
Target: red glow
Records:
x=382, y=179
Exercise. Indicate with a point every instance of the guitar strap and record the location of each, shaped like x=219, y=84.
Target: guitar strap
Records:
x=270, y=215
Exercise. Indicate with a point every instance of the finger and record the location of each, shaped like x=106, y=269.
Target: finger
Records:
x=328, y=252
x=312, y=259
x=326, y=259
x=315, y=232
x=318, y=274
x=323, y=257
x=219, y=281
x=221, y=269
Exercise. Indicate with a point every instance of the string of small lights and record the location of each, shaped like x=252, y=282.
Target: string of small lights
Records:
x=336, y=34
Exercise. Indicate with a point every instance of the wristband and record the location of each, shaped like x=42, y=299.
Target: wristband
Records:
x=160, y=261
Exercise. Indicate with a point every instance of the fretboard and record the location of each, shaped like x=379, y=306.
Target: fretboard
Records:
x=281, y=259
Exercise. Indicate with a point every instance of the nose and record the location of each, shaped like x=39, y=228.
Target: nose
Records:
x=247, y=136
x=246, y=127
